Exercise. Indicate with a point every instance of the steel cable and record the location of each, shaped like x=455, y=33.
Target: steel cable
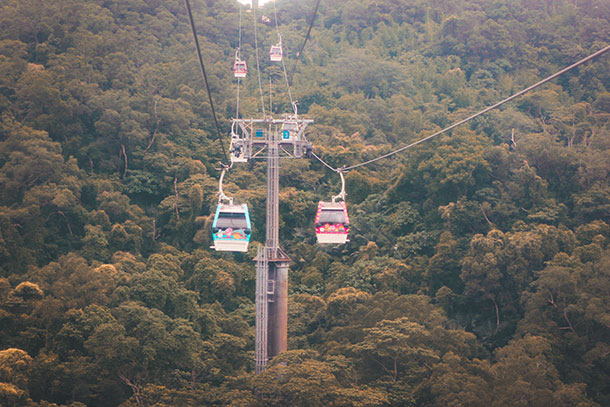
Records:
x=313, y=18
x=238, y=79
x=277, y=29
x=258, y=70
x=205, y=77
x=508, y=99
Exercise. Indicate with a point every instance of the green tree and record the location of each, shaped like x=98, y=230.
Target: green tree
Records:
x=525, y=375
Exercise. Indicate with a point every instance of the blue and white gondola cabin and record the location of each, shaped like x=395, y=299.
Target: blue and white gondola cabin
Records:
x=231, y=229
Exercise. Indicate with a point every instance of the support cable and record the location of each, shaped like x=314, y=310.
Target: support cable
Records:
x=508, y=99
x=324, y=162
x=237, y=105
x=292, y=104
x=205, y=77
x=270, y=97
x=277, y=29
x=313, y=18
x=258, y=70
x=239, y=56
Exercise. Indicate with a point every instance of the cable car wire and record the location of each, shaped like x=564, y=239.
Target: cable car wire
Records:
x=324, y=162
x=258, y=69
x=292, y=104
x=313, y=18
x=238, y=79
x=205, y=77
x=277, y=29
x=508, y=99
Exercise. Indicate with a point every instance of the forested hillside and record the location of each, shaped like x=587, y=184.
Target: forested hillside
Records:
x=478, y=267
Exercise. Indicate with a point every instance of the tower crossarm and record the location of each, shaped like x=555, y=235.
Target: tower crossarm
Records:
x=255, y=135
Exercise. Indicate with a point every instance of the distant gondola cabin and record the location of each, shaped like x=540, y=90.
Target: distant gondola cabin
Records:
x=275, y=54
x=240, y=68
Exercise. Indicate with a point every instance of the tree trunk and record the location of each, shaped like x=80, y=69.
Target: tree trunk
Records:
x=497, y=315
x=485, y=216
x=176, y=199
x=67, y=223
x=134, y=388
x=124, y=155
x=151, y=139
x=565, y=316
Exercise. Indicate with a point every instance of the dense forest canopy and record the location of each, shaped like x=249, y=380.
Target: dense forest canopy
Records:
x=478, y=267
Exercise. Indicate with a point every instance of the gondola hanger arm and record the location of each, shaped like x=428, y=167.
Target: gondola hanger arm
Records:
x=221, y=195
x=342, y=194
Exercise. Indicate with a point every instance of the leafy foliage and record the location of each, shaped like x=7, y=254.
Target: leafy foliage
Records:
x=478, y=268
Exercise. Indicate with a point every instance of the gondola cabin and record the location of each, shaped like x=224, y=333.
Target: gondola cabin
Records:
x=240, y=68
x=231, y=229
x=275, y=54
x=332, y=222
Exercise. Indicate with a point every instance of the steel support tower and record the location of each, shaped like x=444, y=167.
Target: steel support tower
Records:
x=277, y=138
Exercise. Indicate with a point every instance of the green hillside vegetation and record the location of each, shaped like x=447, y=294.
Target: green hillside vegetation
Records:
x=478, y=267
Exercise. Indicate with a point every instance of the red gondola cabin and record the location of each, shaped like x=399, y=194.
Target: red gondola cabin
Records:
x=275, y=54
x=240, y=68
x=332, y=222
